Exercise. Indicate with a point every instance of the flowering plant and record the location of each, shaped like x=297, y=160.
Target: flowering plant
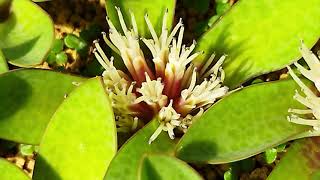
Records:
x=171, y=106
x=171, y=91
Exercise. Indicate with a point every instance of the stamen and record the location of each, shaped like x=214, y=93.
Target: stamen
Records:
x=111, y=26
x=131, y=53
x=101, y=61
x=122, y=23
x=207, y=64
x=215, y=69
x=222, y=74
x=180, y=37
x=168, y=119
x=302, y=121
x=314, y=64
x=200, y=95
x=151, y=29
x=192, y=57
x=187, y=77
x=300, y=111
x=175, y=69
x=151, y=93
x=304, y=88
x=303, y=100
x=155, y=134
x=184, y=56
x=106, y=40
x=99, y=49
x=311, y=100
x=174, y=31
x=186, y=92
x=310, y=58
x=164, y=21
x=149, y=44
x=134, y=23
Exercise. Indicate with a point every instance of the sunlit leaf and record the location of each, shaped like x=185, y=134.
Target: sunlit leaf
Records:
x=126, y=163
x=10, y=171
x=80, y=140
x=157, y=167
x=27, y=35
x=261, y=36
x=3, y=63
x=155, y=10
x=300, y=162
x=242, y=124
x=28, y=99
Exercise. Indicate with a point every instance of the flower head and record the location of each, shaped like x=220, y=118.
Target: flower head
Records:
x=166, y=85
x=311, y=100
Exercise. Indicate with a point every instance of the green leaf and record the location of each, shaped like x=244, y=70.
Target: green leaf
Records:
x=221, y=8
x=281, y=148
x=260, y=36
x=27, y=35
x=125, y=165
x=270, y=155
x=26, y=149
x=300, y=162
x=203, y=26
x=80, y=140
x=212, y=20
x=242, y=124
x=230, y=175
x=9, y=171
x=158, y=167
x=257, y=81
x=28, y=99
x=74, y=42
x=61, y=58
x=155, y=9
x=51, y=59
x=3, y=63
x=57, y=46
x=306, y=134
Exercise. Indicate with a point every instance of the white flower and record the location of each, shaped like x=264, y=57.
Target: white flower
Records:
x=173, y=90
x=311, y=100
x=151, y=93
x=169, y=119
x=204, y=94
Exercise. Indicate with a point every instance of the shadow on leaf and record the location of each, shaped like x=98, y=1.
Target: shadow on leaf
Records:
x=23, y=49
x=44, y=171
x=200, y=150
x=14, y=93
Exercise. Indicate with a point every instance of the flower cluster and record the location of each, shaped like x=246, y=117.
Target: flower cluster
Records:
x=311, y=100
x=167, y=85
